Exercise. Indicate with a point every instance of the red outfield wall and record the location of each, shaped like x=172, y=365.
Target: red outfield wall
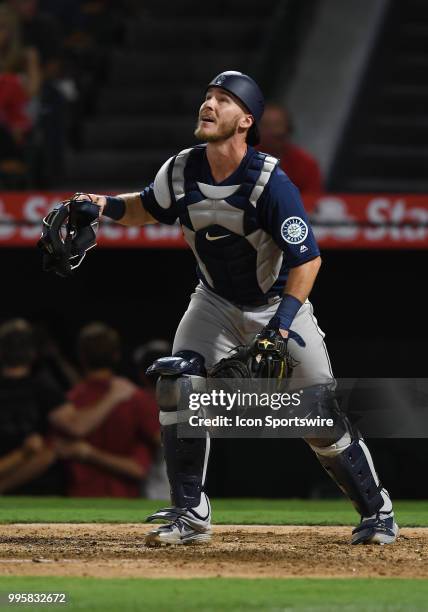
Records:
x=343, y=221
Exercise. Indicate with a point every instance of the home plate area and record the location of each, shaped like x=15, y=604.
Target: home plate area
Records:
x=117, y=550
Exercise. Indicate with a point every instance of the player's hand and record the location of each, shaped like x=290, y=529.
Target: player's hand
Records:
x=85, y=209
x=121, y=389
x=292, y=335
x=99, y=200
x=288, y=334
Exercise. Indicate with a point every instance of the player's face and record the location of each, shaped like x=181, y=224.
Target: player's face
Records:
x=220, y=117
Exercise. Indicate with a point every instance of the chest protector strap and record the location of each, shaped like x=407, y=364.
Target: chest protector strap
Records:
x=185, y=172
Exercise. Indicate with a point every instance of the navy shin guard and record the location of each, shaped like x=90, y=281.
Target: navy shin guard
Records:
x=186, y=458
x=353, y=471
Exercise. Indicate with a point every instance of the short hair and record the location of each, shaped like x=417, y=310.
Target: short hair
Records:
x=17, y=346
x=98, y=346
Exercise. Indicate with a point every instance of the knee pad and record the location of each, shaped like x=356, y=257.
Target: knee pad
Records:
x=179, y=375
x=322, y=402
x=183, y=362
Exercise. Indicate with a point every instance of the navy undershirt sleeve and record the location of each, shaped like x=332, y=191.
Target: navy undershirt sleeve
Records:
x=163, y=215
x=282, y=215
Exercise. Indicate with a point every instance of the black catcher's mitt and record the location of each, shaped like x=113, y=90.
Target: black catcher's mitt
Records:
x=266, y=356
x=69, y=231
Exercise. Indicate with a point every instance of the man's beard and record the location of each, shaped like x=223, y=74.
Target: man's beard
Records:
x=225, y=132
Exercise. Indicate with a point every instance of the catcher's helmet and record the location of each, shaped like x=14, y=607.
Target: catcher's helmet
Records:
x=69, y=230
x=249, y=93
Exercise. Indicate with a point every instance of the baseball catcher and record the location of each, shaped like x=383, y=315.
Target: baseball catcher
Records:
x=257, y=260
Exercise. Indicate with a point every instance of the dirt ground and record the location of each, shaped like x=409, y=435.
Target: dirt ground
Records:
x=112, y=550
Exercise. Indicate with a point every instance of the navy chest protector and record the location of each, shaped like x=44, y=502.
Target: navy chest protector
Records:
x=221, y=225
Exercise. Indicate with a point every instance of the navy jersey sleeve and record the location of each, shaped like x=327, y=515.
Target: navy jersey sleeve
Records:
x=282, y=215
x=158, y=198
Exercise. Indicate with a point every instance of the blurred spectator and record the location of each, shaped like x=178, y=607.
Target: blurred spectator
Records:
x=67, y=45
x=51, y=362
x=89, y=28
x=26, y=403
x=42, y=32
x=102, y=20
x=95, y=27
x=115, y=457
x=39, y=30
x=32, y=409
x=156, y=485
x=276, y=131
x=20, y=79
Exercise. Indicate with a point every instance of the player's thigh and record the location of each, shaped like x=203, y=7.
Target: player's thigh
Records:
x=209, y=327
x=314, y=365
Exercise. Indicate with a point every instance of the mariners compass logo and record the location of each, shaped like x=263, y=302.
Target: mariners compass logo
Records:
x=219, y=80
x=294, y=230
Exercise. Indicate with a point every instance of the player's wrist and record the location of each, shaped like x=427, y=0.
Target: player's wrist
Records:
x=286, y=312
x=114, y=207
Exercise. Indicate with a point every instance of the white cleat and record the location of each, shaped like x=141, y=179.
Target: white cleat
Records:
x=378, y=529
x=184, y=525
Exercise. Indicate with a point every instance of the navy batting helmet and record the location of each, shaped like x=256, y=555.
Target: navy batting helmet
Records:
x=248, y=92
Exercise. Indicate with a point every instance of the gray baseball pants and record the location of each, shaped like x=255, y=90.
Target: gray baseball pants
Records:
x=213, y=326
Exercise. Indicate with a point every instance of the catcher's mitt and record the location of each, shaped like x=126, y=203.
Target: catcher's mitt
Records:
x=69, y=231
x=266, y=356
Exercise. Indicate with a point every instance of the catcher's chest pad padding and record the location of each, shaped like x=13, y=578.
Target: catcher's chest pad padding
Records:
x=235, y=256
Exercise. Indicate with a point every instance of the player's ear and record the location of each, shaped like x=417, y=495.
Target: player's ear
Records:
x=246, y=121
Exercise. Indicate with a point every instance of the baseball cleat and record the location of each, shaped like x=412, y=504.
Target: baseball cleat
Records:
x=184, y=525
x=378, y=529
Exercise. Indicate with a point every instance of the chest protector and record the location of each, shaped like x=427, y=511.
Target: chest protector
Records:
x=236, y=257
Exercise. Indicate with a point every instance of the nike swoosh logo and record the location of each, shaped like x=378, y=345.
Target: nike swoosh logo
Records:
x=208, y=237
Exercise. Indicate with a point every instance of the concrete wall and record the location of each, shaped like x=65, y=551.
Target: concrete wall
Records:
x=329, y=71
